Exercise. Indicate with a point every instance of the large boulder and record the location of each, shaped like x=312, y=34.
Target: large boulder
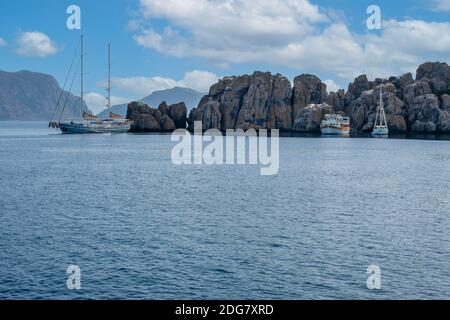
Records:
x=230, y=93
x=355, y=90
x=358, y=86
x=135, y=112
x=309, y=118
x=259, y=101
x=163, y=108
x=414, y=90
x=178, y=113
x=308, y=89
x=437, y=74
x=146, y=119
x=266, y=104
x=167, y=124
x=208, y=112
x=401, y=83
x=445, y=102
x=337, y=101
x=256, y=104
x=280, y=110
x=404, y=81
x=425, y=115
x=137, y=108
x=148, y=123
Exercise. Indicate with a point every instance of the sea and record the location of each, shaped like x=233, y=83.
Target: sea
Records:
x=137, y=226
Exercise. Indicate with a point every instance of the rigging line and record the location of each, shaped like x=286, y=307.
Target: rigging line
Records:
x=68, y=93
x=55, y=111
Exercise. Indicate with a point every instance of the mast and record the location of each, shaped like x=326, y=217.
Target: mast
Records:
x=379, y=109
x=82, y=80
x=109, y=81
x=383, y=120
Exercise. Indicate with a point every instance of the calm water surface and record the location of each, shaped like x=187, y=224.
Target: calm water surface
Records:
x=141, y=228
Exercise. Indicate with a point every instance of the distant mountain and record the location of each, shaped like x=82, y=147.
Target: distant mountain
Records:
x=190, y=97
x=27, y=95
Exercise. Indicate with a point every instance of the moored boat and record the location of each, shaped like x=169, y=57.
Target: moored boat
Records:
x=89, y=123
x=381, y=129
x=335, y=124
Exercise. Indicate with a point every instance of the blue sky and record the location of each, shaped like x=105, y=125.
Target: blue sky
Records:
x=158, y=44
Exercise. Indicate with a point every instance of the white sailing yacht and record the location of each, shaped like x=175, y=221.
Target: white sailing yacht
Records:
x=381, y=129
x=90, y=123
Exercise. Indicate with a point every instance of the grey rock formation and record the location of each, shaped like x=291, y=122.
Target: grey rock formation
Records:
x=437, y=74
x=426, y=116
x=230, y=93
x=178, y=113
x=280, y=110
x=256, y=103
x=405, y=80
x=265, y=96
x=414, y=90
x=209, y=113
x=308, y=89
x=146, y=119
x=309, y=118
x=401, y=83
x=167, y=124
x=360, y=85
x=337, y=100
x=260, y=101
x=266, y=101
x=148, y=123
x=445, y=102
x=365, y=107
x=163, y=108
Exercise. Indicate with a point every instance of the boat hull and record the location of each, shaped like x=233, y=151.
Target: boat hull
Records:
x=335, y=131
x=67, y=128
x=380, y=132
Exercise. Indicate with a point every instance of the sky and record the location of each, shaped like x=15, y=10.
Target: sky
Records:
x=160, y=44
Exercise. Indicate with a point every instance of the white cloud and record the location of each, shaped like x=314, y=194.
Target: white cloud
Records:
x=140, y=87
x=441, y=5
x=35, y=44
x=199, y=80
x=290, y=33
x=332, y=86
x=97, y=102
x=2, y=42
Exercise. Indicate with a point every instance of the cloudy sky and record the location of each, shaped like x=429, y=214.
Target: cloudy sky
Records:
x=160, y=44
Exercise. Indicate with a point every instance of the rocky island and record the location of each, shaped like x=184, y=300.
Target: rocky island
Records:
x=266, y=101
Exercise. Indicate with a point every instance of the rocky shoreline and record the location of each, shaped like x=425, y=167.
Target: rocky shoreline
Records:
x=266, y=101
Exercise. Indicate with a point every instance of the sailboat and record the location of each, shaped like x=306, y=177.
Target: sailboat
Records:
x=89, y=123
x=381, y=129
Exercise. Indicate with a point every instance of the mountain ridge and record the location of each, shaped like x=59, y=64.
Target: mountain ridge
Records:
x=29, y=95
x=171, y=96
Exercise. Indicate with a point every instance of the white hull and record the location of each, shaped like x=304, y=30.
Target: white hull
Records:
x=73, y=128
x=335, y=131
x=380, y=132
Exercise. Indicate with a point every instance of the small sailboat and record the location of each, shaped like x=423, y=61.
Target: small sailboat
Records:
x=89, y=123
x=381, y=129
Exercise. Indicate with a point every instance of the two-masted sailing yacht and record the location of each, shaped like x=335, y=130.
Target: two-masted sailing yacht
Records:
x=89, y=123
x=381, y=129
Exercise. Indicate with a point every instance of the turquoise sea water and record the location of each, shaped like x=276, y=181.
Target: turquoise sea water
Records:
x=140, y=227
